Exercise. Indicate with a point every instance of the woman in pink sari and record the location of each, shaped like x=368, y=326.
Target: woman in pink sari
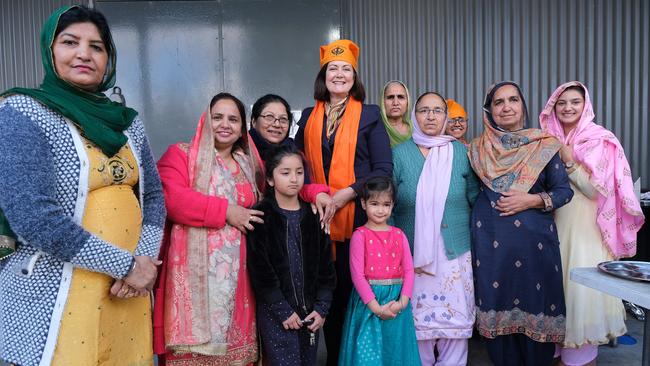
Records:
x=205, y=312
x=599, y=224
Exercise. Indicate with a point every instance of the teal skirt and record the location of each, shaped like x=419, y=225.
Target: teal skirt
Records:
x=368, y=340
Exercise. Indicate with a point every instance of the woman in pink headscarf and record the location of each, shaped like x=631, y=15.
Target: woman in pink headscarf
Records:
x=599, y=224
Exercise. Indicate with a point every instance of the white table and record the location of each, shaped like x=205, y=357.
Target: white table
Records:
x=632, y=291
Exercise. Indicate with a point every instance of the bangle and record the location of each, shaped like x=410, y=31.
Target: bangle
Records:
x=548, y=202
x=132, y=267
x=570, y=166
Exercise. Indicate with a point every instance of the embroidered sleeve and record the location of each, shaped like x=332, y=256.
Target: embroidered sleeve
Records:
x=557, y=183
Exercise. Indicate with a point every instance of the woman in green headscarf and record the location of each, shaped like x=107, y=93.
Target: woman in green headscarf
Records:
x=80, y=192
x=395, y=104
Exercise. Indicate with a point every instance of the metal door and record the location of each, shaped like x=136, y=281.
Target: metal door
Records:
x=173, y=56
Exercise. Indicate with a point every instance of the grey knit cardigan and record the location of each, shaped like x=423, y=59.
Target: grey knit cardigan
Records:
x=43, y=187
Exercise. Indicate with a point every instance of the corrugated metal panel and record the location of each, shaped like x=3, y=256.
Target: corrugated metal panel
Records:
x=20, y=29
x=460, y=47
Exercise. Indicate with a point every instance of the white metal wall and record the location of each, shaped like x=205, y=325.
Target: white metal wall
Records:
x=460, y=47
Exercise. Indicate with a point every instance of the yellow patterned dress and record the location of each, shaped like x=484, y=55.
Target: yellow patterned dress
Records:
x=97, y=328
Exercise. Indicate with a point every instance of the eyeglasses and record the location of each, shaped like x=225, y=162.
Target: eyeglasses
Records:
x=459, y=121
x=270, y=119
x=436, y=111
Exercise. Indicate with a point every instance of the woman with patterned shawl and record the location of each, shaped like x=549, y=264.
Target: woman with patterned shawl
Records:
x=395, y=106
x=205, y=311
x=599, y=224
x=80, y=191
x=345, y=143
x=516, y=252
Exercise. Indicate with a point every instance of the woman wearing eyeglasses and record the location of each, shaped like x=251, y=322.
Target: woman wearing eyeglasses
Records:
x=345, y=143
x=436, y=189
x=457, y=121
x=271, y=120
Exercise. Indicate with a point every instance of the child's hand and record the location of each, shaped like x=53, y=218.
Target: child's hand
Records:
x=292, y=322
x=318, y=321
x=395, y=307
x=386, y=313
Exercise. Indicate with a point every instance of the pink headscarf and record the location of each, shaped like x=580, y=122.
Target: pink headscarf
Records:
x=597, y=149
x=431, y=193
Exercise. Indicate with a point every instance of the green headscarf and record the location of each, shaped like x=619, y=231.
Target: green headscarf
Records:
x=395, y=137
x=101, y=120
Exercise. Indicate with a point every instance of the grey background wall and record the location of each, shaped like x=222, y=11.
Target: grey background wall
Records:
x=175, y=54
x=460, y=47
x=20, y=28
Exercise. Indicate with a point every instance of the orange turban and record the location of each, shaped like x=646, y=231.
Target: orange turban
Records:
x=341, y=50
x=455, y=110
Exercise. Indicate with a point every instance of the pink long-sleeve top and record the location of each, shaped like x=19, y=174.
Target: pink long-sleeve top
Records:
x=185, y=205
x=380, y=255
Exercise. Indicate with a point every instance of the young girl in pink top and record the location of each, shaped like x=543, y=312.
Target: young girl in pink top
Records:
x=378, y=328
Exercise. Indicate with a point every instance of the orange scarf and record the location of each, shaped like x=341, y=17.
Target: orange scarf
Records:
x=341, y=173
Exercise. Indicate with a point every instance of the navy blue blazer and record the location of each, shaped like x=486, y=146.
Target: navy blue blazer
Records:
x=373, y=156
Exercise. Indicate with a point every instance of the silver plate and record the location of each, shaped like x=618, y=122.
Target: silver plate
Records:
x=637, y=271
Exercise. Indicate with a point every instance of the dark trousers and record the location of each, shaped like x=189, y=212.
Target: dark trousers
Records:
x=334, y=322
x=519, y=350
x=282, y=347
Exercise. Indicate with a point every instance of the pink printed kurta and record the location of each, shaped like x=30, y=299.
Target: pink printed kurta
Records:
x=231, y=302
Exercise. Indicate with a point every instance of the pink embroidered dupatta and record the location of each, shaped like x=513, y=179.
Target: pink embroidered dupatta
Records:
x=619, y=212
x=209, y=307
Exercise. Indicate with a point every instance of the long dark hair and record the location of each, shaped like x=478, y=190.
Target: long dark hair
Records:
x=242, y=141
x=321, y=93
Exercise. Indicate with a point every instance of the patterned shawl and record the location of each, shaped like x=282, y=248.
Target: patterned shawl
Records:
x=188, y=315
x=395, y=137
x=598, y=150
x=506, y=160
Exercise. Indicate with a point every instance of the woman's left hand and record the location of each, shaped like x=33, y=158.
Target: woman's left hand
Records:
x=513, y=202
x=318, y=321
x=122, y=290
x=342, y=197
